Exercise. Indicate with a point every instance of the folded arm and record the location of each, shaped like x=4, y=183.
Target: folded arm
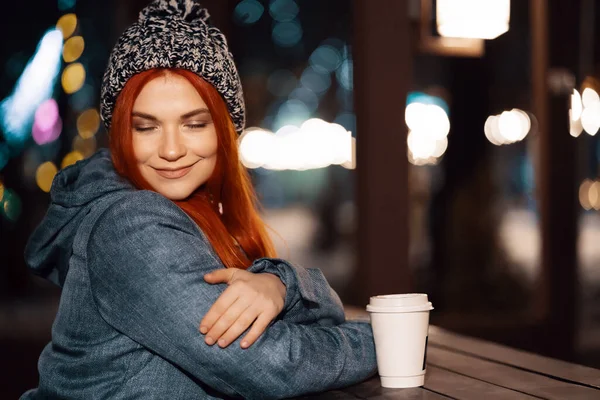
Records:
x=146, y=265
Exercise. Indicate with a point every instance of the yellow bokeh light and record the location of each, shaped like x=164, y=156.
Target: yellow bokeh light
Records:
x=67, y=25
x=1, y=190
x=45, y=174
x=88, y=123
x=73, y=49
x=594, y=195
x=71, y=159
x=584, y=196
x=86, y=147
x=73, y=78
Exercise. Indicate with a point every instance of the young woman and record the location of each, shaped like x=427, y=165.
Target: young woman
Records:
x=169, y=285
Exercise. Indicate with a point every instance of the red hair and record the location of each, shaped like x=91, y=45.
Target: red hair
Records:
x=229, y=184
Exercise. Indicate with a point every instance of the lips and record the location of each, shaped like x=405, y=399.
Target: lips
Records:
x=174, y=174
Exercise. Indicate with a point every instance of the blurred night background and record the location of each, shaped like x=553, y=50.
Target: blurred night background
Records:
x=460, y=167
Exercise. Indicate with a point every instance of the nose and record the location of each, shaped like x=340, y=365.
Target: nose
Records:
x=171, y=148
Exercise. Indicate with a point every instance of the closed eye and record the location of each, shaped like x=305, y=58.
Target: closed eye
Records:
x=144, y=128
x=196, y=126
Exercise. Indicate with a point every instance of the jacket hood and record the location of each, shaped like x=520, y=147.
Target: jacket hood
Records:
x=73, y=192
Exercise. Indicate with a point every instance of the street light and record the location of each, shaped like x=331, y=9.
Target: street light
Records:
x=472, y=19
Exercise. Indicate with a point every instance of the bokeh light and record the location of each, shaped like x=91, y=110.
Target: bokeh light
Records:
x=46, y=114
x=44, y=136
x=594, y=195
x=306, y=96
x=589, y=97
x=11, y=205
x=44, y=175
x=576, y=105
x=66, y=4
x=287, y=34
x=315, y=144
x=283, y=10
x=248, y=12
x=590, y=119
x=86, y=147
x=71, y=159
x=575, y=126
x=34, y=86
x=291, y=112
x=73, y=49
x=428, y=119
x=88, y=123
x=315, y=81
x=73, y=78
x=325, y=59
x=67, y=25
x=584, y=190
x=508, y=127
x=473, y=18
x=344, y=74
x=47, y=124
x=1, y=191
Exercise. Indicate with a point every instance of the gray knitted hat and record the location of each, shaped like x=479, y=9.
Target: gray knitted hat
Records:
x=173, y=34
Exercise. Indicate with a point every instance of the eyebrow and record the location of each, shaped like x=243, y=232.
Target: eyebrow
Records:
x=193, y=113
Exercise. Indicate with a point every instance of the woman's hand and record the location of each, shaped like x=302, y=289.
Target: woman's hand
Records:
x=251, y=299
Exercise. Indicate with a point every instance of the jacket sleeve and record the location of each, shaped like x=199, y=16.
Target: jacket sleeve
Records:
x=309, y=298
x=146, y=265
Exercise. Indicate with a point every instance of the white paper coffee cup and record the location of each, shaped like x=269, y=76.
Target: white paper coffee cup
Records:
x=400, y=324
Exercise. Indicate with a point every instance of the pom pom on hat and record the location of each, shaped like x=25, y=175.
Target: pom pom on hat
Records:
x=173, y=34
x=188, y=10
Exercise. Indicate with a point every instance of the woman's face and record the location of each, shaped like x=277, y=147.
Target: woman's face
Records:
x=174, y=138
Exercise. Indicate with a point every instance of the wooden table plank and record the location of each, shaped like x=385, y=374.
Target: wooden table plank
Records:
x=518, y=358
x=372, y=389
x=508, y=377
x=462, y=387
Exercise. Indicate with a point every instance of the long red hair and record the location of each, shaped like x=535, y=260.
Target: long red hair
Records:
x=229, y=184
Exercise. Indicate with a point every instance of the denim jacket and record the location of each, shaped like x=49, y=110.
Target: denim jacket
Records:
x=131, y=267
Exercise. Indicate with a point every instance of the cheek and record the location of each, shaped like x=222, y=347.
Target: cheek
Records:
x=142, y=149
x=207, y=147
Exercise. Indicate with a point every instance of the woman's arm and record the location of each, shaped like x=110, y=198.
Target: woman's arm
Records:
x=309, y=297
x=146, y=265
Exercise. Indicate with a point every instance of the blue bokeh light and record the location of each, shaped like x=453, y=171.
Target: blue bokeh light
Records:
x=283, y=10
x=344, y=74
x=315, y=81
x=287, y=34
x=325, y=59
x=248, y=12
x=34, y=86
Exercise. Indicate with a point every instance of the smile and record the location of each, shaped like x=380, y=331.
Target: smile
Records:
x=174, y=173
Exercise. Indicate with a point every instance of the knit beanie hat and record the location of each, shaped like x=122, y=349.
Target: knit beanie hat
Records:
x=173, y=34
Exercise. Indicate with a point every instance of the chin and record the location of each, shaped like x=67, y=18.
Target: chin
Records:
x=175, y=195
x=174, y=192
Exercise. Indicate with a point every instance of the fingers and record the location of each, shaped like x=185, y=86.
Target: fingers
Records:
x=259, y=326
x=223, y=275
x=246, y=319
x=228, y=320
x=227, y=298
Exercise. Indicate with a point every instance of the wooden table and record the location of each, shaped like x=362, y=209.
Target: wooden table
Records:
x=460, y=367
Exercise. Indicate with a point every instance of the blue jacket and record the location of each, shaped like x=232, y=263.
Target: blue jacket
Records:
x=131, y=267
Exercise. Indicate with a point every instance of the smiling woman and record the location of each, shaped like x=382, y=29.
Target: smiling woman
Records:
x=143, y=238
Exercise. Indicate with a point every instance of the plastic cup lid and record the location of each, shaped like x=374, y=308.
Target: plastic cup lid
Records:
x=410, y=302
